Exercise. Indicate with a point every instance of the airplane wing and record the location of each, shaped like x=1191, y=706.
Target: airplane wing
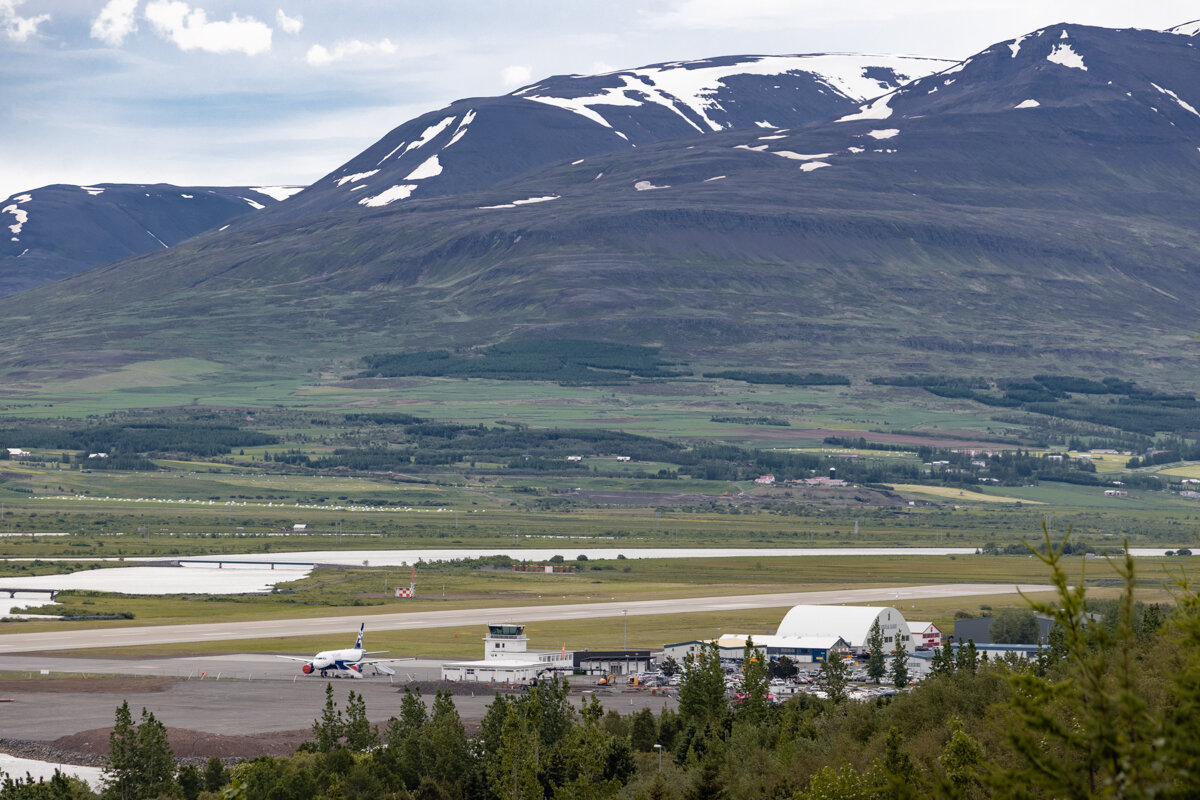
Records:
x=374, y=652
x=369, y=661
x=295, y=658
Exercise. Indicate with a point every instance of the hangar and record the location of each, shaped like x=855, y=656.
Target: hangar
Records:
x=852, y=623
x=808, y=633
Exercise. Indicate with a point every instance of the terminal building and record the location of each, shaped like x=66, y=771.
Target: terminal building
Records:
x=507, y=659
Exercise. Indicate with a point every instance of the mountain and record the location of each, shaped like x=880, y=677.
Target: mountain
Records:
x=1031, y=209
x=57, y=231
x=476, y=143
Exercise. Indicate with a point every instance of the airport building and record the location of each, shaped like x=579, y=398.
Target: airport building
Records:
x=507, y=659
x=808, y=634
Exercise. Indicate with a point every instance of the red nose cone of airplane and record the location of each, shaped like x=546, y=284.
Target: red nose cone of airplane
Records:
x=307, y=669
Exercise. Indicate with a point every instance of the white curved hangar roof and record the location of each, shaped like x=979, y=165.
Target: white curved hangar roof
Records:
x=852, y=623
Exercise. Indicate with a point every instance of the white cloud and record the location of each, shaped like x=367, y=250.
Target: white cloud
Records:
x=115, y=22
x=319, y=56
x=288, y=24
x=16, y=27
x=190, y=29
x=515, y=75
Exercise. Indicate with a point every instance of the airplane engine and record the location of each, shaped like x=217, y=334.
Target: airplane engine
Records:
x=307, y=669
x=354, y=671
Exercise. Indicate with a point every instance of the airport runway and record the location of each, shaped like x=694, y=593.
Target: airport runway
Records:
x=220, y=631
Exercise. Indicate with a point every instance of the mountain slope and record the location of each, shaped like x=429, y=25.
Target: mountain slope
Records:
x=476, y=143
x=57, y=231
x=1032, y=209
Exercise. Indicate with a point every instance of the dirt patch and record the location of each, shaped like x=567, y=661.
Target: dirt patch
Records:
x=196, y=747
x=130, y=684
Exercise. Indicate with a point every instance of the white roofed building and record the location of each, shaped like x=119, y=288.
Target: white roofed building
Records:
x=851, y=623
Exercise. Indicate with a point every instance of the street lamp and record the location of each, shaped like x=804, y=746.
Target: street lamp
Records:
x=658, y=747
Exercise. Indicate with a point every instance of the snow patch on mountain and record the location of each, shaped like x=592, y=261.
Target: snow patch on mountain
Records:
x=643, y=186
x=877, y=109
x=389, y=155
x=800, y=156
x=277, y=193
x=1030, y=103
x=252, y=203
x=692, y=86
x=1187, y=29
x=1015, y=45
x=430, y=134
x=1063, y=54
x=461, y=130
x=20, y=215
x=1182, y=104
x=525, y=202
x=355, y=178
x=428, y=169
x=93, y=190
x=883, y=133
x=399, y=192
x=812, y=165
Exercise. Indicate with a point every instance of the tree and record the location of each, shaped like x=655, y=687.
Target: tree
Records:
x=1014, y=626
x=702, y=692
x=140, y=762
x=155, y=761
x=968, y=658
x=754, y=685
x=876, y=662
x=834, y=677
x=644, y=732
x=190, y=782
x=120, y=770
x=448, y=754
x=900, y=666
x=215, y=775
x=360, y=736
x=669, y=666
x=327, y=729
x=961, y=761
x=783, y=668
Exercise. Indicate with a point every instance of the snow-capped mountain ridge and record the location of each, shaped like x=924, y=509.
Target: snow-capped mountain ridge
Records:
x=472, y=144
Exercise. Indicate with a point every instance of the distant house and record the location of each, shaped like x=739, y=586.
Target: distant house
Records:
x=299, y=526
x=1116, y=493
x=825, y=482
x=765, y=480
x=623, y=458
x=16, y=452
x=574, y=458
x=925, y=634
x=97, y=455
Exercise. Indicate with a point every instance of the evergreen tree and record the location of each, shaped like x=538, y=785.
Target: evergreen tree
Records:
x=121, y=768
x=896, y=773
x=327, y=729
x=702, y=692
x=834, y=677
x=215, y=775
x=968, y=658
x=754, y=685
x=900, y=666
x=191, y=782
x=448, y=756
x=877, y=661
x=155, y=761
x=360, y=736
x=644, y=733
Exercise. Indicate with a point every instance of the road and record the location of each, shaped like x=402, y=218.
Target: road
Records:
x=320, y=626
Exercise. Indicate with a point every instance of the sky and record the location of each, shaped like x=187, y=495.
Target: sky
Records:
x=251, y=92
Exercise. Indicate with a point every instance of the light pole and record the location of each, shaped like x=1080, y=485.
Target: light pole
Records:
x=658, y=747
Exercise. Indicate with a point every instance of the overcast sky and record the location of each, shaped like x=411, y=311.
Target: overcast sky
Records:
x=249, y=92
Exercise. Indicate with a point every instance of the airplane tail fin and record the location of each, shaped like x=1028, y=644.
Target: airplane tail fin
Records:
x=358, y=643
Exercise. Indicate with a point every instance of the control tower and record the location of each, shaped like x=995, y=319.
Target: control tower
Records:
x=504, y=641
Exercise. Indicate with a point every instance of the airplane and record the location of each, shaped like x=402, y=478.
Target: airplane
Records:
x=345, y=663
